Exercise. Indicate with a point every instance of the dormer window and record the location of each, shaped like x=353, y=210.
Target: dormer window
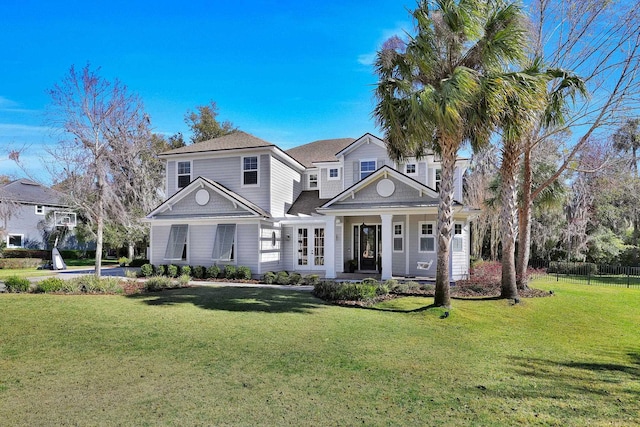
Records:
x=334, y=174
x=313, y=180
x=410, y=169
x=367, y=167
x=184, y=174
x=250, y=170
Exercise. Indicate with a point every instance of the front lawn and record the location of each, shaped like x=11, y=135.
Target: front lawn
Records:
x=255, y=356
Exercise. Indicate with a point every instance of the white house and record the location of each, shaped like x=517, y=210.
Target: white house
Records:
x=311, y=209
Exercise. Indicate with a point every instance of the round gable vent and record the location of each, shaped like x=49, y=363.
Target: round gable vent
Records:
x=202, y=197
x=385, y=187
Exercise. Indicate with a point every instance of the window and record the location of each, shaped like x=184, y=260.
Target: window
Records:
x=313, y=180
x=15, y=241
x=427, y=240
x=177, y=244
x=334, y=174
x=224, y=244
x=438, y=179
x=250, y=170
x=366, y=168
x=184, y=174
x=410, y=169
x=458, y=240
x=398, y=237
x=39, y=210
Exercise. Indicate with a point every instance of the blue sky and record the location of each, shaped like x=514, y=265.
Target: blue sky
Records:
x=289, y=72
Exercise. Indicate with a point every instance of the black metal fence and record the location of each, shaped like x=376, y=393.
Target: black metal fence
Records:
x=588, y=273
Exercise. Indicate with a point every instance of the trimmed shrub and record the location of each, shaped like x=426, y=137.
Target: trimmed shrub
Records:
x=332, y=291
x=17, y=284
x=185, y=269
x=20, y=263
x=172, y=270
x=26, y=253
x=157, y=283
x=295, y=279
x=183, y=280
x=138, y=262
x=146, y=270
x=52, y=284
x=282, y=278
x=123, y=261
x=243, y=273
x=311, y=279
x=269, y=277
x=199, y=271
x=160, y=270
x=93, y=284
x=213, y=272
x=229, y=271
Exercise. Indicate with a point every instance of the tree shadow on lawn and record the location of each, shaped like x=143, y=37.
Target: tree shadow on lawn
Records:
x=575, y=379
x=236, y=299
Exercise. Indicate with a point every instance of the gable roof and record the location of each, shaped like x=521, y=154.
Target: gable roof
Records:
x=366, y=138
x=384, y=171
x=250, y=207
x=323, y=150
x=30, y=192
x=232, y=141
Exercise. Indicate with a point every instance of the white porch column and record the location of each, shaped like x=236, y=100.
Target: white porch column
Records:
x=330, y=247
x=387, y=246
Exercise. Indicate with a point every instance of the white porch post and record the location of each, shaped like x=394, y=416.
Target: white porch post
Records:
x=387, y=246
x=330, y=247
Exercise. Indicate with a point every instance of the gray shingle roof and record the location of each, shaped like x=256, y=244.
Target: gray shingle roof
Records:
x=232, y=141
x=306, y=203
x=319, y=151
x=27, y=191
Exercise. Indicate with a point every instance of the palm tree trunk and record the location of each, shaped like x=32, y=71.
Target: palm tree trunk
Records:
x=508, y=214
x=445, y=221
x=524, y=224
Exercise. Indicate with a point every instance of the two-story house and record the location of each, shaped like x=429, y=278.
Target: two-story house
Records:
x=311, y=209
x=28, y=213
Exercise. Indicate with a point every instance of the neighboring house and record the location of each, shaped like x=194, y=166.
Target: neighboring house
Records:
x=28, y=211
x=240, y=200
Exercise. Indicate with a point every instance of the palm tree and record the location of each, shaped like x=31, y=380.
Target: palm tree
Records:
x=444, y=87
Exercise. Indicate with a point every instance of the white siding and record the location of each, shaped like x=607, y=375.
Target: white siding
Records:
x=364, y=151
x=330, y=188
x=284, y=188
x=288, y=248
x=171, y=178
x=248, y=246
x=201, y=238
x=270, y=255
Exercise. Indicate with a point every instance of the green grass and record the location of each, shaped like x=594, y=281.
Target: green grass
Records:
x=34, y=272
x=247, y=356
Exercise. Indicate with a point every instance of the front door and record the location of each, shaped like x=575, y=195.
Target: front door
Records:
x=368, y=247
x=310, y=254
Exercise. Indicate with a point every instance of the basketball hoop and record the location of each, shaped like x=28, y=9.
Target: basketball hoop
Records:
x=65, y=219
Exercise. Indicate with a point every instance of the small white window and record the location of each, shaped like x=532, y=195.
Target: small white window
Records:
x=184, y=174
x=224, y=244
x=367, y=167
x=398, y=237
x=426, y=238
x=313, y=180
x=250, y=171
x=177, y=244
x=334, y=174
x=15, y=241
x=410, y=169
x=458, y=240
x=438, y=179
x=39, y=210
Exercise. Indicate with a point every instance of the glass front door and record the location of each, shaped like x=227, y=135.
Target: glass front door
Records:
x=310, y=248
x=368, y=247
